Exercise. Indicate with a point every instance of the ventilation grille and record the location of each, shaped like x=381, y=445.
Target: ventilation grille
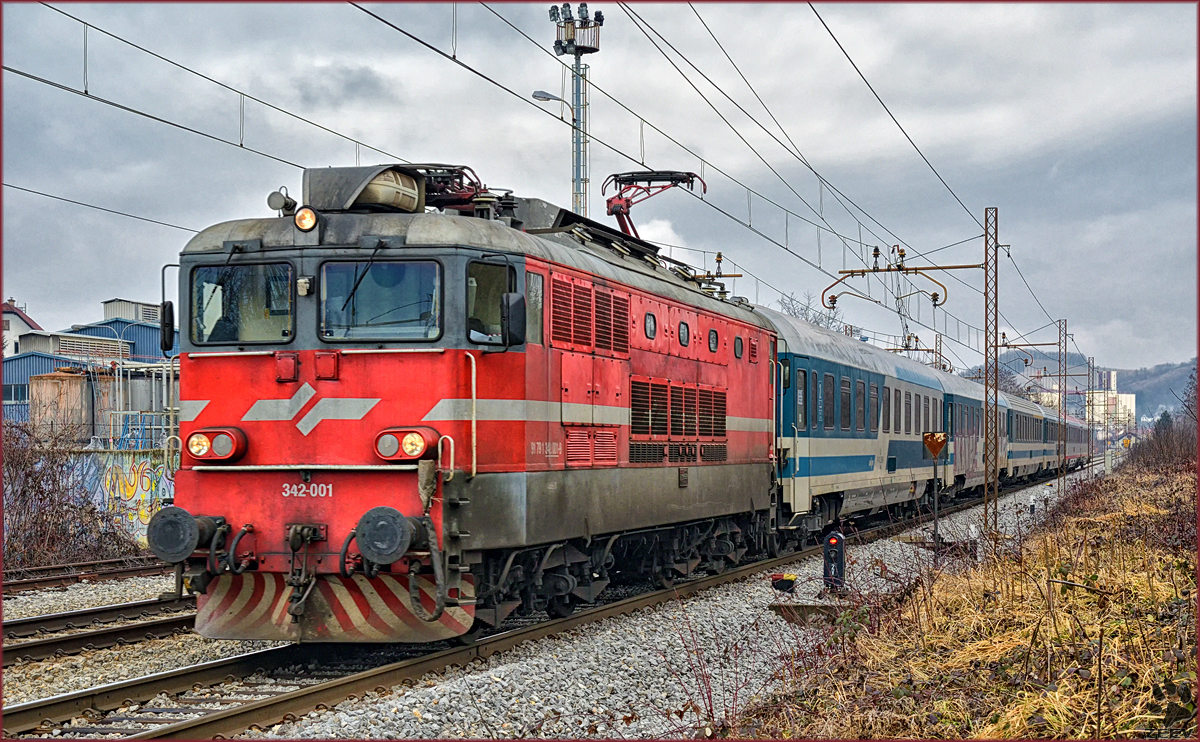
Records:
x=560, y=310
x=681, y=452
x=753, y=350
x=620, y=323
x=714, y=452
x=677, y=411
x=718, y=414
x=605, y=447
x=639, y=408
x=582, y=321
x=658, y=409
x=579, y=449
x=689, y=413
x=604, y=321
x=646, y=453
x=706, y=413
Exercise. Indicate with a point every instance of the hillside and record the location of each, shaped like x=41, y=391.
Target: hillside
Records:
x=1153, y=386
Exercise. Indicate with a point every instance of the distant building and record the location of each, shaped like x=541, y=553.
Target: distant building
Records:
x=108, y=379
x=16, y=324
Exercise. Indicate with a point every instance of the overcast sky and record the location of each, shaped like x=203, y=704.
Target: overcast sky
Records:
x=1077, y=121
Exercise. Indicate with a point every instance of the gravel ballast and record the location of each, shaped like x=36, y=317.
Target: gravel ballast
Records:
x=85, y=595
x=653, y=673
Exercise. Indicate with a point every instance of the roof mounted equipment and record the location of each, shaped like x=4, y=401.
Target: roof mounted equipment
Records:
x=638, y=186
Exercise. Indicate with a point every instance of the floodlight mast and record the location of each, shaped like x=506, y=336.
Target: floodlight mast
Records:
x=577, y=37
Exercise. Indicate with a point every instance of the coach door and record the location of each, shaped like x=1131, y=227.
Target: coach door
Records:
x=800, y=404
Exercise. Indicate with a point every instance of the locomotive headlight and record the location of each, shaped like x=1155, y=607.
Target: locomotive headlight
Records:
x=306, y=219
x=199, y=444
x=387, y=445
x=413, y=444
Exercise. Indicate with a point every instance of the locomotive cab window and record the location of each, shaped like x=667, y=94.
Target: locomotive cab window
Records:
x=381, y=300
x=486, y=285
x=242, y=304
x=534, y=301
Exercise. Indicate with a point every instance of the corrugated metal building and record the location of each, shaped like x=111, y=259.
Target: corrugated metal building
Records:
x=142, y=336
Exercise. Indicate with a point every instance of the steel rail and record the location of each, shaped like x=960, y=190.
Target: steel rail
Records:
x=71, y=578
x=20, y=628
x=102, y=638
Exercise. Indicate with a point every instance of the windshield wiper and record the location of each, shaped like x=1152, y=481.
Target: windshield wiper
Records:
x=358, y=279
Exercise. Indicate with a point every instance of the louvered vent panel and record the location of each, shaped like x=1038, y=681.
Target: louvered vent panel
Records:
x=658, y=409
x=606, y=447
x=560, y=311
x=639, y=408
x=646, y=453
x=620, y=323
x=579, y=446
x=706, y=413
x=714, y=452
x=677, y=411
x=582, y=319
x=753, y=350
x=604, y=321
x=718, y=414
x=689, y=412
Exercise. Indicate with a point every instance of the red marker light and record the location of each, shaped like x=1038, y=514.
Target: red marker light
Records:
x=833, y=540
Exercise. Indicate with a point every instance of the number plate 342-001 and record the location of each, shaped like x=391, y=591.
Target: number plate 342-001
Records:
x=307, y=489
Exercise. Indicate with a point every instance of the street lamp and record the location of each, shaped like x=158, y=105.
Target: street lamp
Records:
x=576, y=36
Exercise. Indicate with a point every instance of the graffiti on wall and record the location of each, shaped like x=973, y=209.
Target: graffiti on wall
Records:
x=129, y=485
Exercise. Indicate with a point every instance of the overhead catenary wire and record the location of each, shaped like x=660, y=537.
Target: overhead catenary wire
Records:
x=99, y=208
x=621, y=153
x=685, y=148
x=893, y=117
x=152, y=117
x=214, y=81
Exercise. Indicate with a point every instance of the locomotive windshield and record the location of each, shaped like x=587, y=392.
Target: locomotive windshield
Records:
x=381, y=300
x=242, y=303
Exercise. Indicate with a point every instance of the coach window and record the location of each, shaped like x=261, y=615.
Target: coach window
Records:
x=534, y=285
x=950, y=418
x=860, y=405
x=896, y=417
x=829, y=394
x=925, y=413
x=887, y=409
x=737, y=347
x=874, y=408
x=801, y=399
x=845, y=404
x=651, y=325
x=785, y=372
x=908, y=412
x=486, y=284
x=684, y=336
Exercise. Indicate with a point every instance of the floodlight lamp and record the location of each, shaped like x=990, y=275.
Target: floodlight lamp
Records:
x=554, y=13
x=599, y=18
x=566, y=12
x=558, y=47
x=583, y=12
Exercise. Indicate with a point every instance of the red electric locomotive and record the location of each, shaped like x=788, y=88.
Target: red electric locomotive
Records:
x=412, y=406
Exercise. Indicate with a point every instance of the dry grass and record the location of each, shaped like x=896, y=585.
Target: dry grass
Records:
x=1086, y=629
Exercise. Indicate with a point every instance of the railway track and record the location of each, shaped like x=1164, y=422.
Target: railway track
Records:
x=25, y=639
x=58, y=575
x=226, y=697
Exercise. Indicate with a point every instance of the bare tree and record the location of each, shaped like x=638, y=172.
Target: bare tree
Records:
x=814, y=315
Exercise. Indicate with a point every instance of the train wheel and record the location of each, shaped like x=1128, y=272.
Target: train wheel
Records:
x=560, y=606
